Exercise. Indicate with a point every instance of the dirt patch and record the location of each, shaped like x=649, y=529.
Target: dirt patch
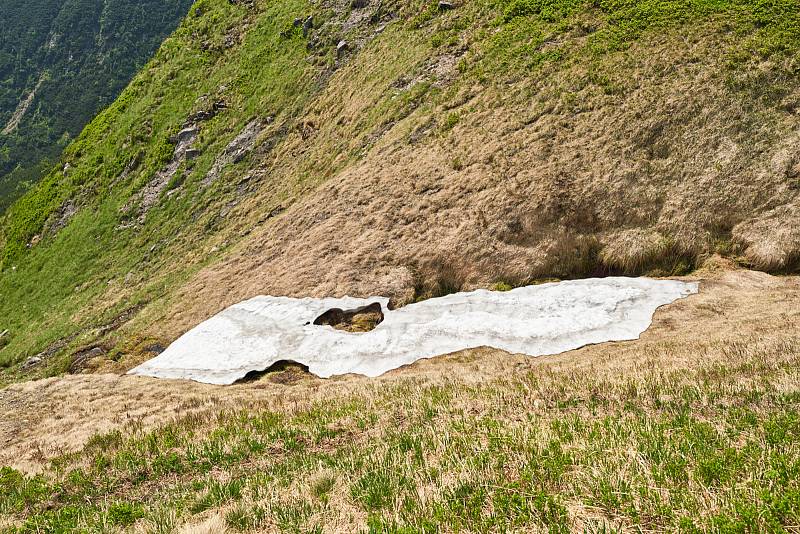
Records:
x=361, y=319
x=22, y=109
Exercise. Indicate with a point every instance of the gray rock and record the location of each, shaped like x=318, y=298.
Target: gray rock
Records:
x=236, y=150
x=445, y=6
x=93, y=353
x=185, y=134
x=31, y=362
x=81, y=359
x=192, y=153
x=341, y=48
x=308, y=25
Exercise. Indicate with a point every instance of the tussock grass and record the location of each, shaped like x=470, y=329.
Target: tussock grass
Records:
x=708, y=447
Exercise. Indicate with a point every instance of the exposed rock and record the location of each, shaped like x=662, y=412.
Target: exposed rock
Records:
x=31, y=362
x=445, y=6
x=22, y=109
x=361, y=319
x=206, y=114
x=236, y=150
x=150, y=194
x=341, y=48
x=187, y=134
x=82, y=358
x=231, y=40
x=308, y=25
x=60, y=218
x=120, y=319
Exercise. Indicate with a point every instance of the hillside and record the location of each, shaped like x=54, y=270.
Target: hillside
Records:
x=62, y=62
x=412, y=149
x=436, y=149
x=629, y=437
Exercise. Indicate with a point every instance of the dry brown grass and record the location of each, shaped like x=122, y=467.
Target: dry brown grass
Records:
x=729, y=350
x=634, y=250
x=557, y=179
x=734, y=309
x=773, y=242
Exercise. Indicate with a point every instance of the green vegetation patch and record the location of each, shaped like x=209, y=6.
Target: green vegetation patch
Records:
x=706, y=449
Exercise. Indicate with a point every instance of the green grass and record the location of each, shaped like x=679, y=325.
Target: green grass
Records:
x=710, y=448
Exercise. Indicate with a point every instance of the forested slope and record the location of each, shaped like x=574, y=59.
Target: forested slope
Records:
x=60, y=63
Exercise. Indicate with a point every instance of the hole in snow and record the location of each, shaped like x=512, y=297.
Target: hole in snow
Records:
x=361, y=319
x=285, y=372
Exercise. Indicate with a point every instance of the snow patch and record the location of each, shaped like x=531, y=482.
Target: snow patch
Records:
x=534, y=320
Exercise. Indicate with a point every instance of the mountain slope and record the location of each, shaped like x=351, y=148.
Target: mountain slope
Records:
x=60, y=63
x=692, y=428
x=408, y=149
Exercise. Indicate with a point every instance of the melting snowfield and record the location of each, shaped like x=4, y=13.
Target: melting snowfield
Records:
x=533, y=320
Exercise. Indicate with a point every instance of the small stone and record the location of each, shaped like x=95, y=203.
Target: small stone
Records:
x=297, y=23
x=308, y=25
x=185, y=134
x=31, y=362
x=341, y=48
x=380, y=28
x=192, y=153
x=445, y=6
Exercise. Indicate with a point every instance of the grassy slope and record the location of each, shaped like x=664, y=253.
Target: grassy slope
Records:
x=90, y=272
x=91, y=249
x=676, y=432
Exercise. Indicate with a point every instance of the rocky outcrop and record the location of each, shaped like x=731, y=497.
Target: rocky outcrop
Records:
x=150, y=195
x=237, y=149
